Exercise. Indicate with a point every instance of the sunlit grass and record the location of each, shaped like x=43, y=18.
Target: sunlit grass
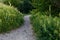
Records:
x=10, y=18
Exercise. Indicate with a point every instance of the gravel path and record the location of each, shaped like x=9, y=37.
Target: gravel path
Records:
x=23, y=33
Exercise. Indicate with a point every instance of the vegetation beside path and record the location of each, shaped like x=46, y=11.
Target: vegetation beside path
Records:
x=45, y=27
x=10, y=18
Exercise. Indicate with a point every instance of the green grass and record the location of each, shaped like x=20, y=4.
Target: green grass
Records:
x=45, y=27
x=10, y=18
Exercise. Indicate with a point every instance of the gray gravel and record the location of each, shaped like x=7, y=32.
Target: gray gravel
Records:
x=23, y=33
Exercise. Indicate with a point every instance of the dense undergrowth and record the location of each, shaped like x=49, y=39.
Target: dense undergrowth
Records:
x=10, y=18
x=45, y=27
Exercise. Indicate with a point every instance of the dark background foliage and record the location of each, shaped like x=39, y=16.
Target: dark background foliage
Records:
x=25, y=6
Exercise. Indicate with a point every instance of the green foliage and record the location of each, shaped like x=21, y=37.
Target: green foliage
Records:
x=12, y=2
x=25, y=7
x=10, y=18
x=45, y=27
x=43, y=5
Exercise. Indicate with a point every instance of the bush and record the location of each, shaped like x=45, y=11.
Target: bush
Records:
x=46, y=27
x=10, y=18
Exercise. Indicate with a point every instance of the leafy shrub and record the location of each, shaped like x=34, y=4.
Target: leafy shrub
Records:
x=10, y=18
x=46, y=27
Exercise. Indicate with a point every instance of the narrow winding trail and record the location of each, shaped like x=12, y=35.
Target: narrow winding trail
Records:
x=23, y=33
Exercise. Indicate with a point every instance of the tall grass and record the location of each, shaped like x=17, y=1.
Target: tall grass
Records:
x=45, y=27
x=10, y=18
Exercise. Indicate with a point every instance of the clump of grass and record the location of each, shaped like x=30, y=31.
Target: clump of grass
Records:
x=10, y=18
x=46, y=27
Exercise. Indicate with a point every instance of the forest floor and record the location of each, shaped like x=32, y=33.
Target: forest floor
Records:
x=25, y=32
